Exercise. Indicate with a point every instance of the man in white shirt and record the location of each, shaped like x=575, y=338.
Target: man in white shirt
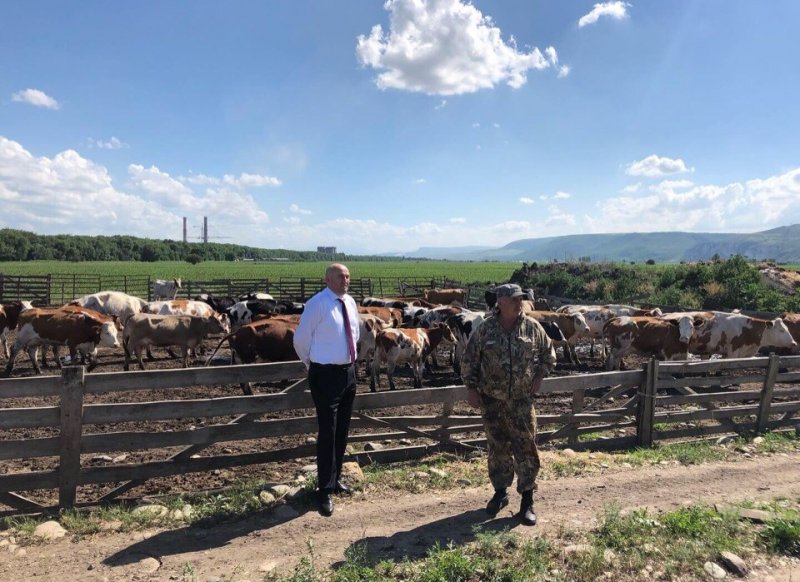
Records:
x=325, y=341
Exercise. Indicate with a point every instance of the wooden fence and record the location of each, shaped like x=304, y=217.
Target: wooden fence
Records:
x=647, y=405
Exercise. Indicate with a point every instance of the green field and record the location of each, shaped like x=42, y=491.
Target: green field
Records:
x=463, y=272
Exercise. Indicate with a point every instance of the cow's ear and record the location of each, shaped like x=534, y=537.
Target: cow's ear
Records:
x=771, y=323
x=673, y=322
x=698, y=322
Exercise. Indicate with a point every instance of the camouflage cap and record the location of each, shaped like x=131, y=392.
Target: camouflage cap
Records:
x=508, y=290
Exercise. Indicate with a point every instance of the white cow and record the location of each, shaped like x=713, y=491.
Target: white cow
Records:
x=166, y=289
x=112, y=303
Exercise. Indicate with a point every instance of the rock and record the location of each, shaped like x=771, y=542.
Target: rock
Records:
x=266, y=497
x=151, y=510
x=352, y=473
x=120, y=458
x=177, y=515
x=627, y=465
x=421, y=475
x=723, y=440
x=148, y=565
x=49, y=530
x=438, y=473
x=267, y=566
x=463, y=482
x=575, y=549
x=311, y=441
x=373, y=446
x=758, y=440
x=294, y=493
x=12, y=548
x=102, y=459
x=187, y=510
x=300, y=479
x=286, y=512
x=311, y=468
x=279, y=490
x=22, y=553
x=604, y=465
x=714, y=570
x=227, y=451
x=4, y=543
x=733, y=563
x=405, y=442
x=570, y=453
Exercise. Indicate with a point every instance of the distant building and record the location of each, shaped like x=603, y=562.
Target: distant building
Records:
x=327, y=250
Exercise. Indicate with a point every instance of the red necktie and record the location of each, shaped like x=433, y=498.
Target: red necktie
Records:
x=349, y=332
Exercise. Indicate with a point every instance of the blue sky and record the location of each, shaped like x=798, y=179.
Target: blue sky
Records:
x=383, y=127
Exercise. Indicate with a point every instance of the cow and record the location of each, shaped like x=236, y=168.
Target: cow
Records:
x=267, y=340
x=490, y=297
x=445, y=296
x=245, y=312
x=184, y=307
x=255, y=296
x=792, y=321
x=412, y=315
x=78, y=331
x=9, y=316
x=290, y=307
x=665, y=339
x=102, y=318
x=398, y=303
x=463, y=325
x=390, y=315
x=112, y=303
x=369, y=327
x=433, y=317
x=733, y=335
x=406, y=346
x=218, y=304
x=166, y=289
x=573, y=326
x=186, y=331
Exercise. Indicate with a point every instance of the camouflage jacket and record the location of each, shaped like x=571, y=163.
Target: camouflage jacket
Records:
x=502, y=364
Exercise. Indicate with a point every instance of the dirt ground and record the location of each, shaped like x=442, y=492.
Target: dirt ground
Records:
x=400, y=524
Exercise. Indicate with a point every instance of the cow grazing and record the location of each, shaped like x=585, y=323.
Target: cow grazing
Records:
x=166, y=289
x=78, y=331
x=9, y=316
x=648, y=336
x=186, y=331
x=389, y=315
x=732, y=335
x=267, y=340
x=406, y=346
x=112, y=303
x=573, y=326
x=445, y=296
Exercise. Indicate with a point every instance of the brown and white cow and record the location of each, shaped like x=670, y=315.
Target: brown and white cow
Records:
x=112, y=303
x=78, y=331
x=9, y=316
x=733, y=335
x=406, y=346
x=792, y=321
x=369, y=328
x=445, y=296
x=648, y=336
x=572, y=325
x=185, y=331
x=389, y=315
x=266, y=340
x=101, y=317
x=463, y=325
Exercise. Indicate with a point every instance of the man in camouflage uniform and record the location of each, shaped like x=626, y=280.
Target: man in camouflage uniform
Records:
x=503, y=366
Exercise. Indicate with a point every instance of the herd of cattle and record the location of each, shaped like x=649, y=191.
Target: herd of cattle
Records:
x=393, y=330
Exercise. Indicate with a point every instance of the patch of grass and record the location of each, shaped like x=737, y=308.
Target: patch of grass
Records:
x=568, y=467
x=417, y=477
x=686, y=453
x=779, y=442
x=782, y=536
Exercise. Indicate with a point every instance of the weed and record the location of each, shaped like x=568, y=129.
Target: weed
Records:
x=782, y=536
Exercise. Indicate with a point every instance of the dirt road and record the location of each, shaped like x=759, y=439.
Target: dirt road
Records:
x=395, y=525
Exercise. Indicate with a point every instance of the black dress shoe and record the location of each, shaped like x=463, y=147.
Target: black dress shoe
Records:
x=325, y=504
x=343, y=489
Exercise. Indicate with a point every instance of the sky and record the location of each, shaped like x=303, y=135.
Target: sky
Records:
x=388, y=126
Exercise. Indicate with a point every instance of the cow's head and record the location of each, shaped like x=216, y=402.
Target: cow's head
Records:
x=177, y=282
x=109, y=335
x=777, y=335
x=581, y=326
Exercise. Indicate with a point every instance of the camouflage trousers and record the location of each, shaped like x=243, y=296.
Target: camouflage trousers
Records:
x=510, y=427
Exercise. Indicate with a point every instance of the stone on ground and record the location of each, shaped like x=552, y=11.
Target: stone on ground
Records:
x=49, y=530
x=352, y=473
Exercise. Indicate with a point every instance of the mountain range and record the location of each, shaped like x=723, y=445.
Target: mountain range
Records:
x=781, y=244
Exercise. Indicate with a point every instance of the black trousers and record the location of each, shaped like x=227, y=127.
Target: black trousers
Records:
x=333, y=389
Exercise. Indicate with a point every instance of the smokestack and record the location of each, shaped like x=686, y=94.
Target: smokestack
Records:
x=185, y=235
x=205, y=229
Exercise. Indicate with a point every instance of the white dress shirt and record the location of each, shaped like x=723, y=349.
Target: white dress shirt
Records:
x=321, y=337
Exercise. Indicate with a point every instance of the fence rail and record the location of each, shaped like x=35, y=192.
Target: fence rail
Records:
x=651, y=401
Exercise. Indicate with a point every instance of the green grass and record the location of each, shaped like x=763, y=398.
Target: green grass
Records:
x=459, y=271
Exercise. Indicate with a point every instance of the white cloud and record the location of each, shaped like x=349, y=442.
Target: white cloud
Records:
x=476, y=125
x=512, y=226
x=444, y=47
x=563, y=71
x=559, y=217
x=562, y=195
x=654, y=166
x=241, y=181
x=420, y=181
x=112, y=144
x=458, y=220
x=441, y=105
x=37, y=98
x=526, y=200
x=496, y=125
x=291, y=219
x=631, y=188
x=295, y=209
x=616, y=10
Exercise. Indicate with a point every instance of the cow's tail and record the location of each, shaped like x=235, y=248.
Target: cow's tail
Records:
x=219, y=345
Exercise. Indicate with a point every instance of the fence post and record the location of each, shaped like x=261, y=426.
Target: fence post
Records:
x=149, y=290
x=647, y=405
x=577, y=408
x=2, y=287
x=49, y=283
x=766, y=393
x=72, y=380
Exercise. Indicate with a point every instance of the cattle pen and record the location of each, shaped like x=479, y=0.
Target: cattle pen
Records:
x=660, y=402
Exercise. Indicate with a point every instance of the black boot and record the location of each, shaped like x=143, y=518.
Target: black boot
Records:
x=526, y=513
x=497, y=502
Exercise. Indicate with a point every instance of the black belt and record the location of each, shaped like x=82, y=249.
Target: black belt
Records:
x=340, y=366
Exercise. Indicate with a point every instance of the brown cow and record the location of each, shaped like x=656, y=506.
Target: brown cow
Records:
x=648, y=336
x=389, y=315
x=792, y=321
x=406, y=346
x=9, y=317
x=445, y=296
x=268, y=340
x=78, y=331
x=572, y=325
x=186, y=331
x=101, y=317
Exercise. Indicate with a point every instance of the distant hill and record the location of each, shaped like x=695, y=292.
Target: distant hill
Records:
x=781, y=244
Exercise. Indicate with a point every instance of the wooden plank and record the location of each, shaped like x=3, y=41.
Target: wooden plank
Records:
x=695, y=382
x=30, y=387
x=629, y=378
x=790, y=361
x=411, y=431
x=161, y=379
x=788, y=377
x=672, y=400
x=43, y=416
x=29, y=448
x=577, y=406
x=702, y=431
x=715, y=414
x=263, y=403
x=647, y=400
x=766, y=392
x=19, y=502
x=69, y=466
x=708, y=406
x=706, y=366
